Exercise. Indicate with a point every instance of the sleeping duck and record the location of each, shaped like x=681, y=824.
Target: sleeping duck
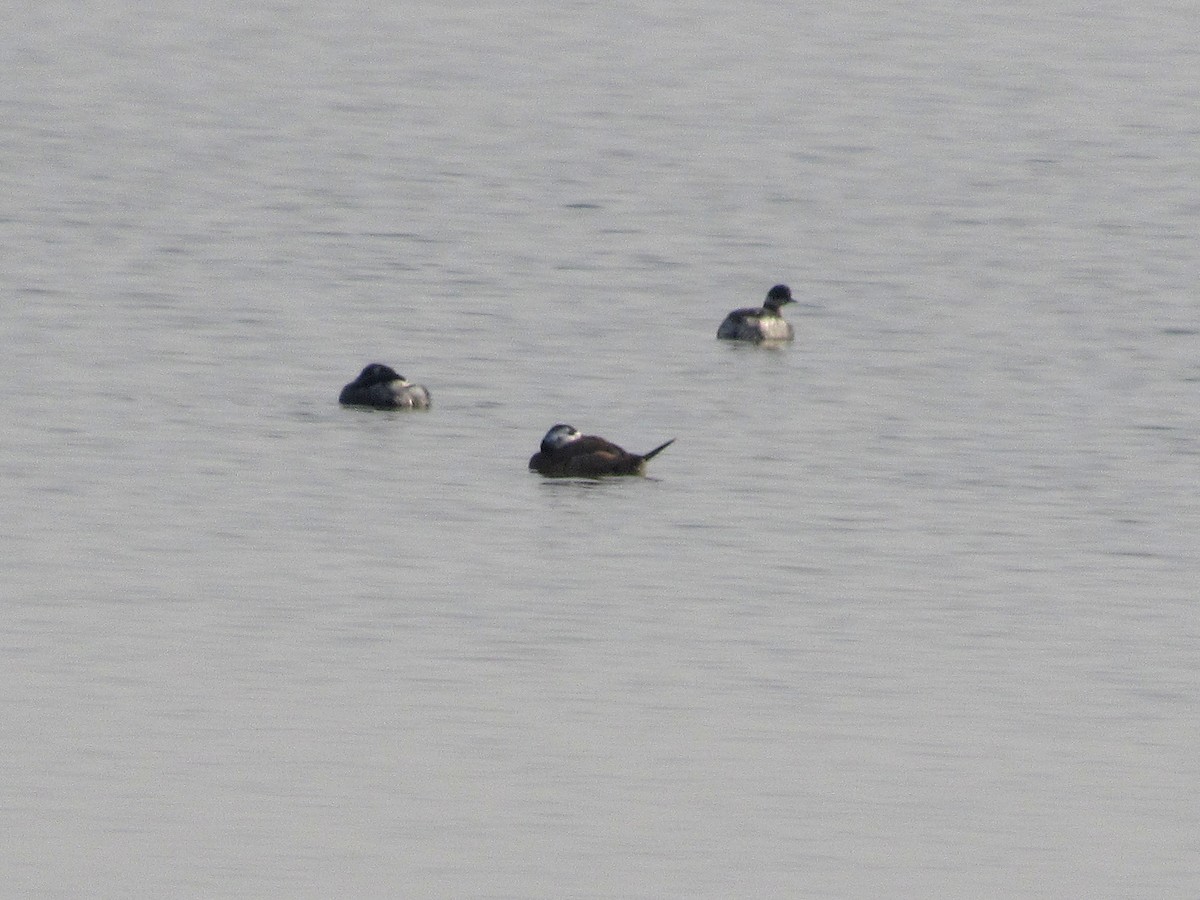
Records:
x=381, y=387
x=565, y=453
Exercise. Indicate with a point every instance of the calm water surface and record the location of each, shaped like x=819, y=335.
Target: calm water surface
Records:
x=908, y=610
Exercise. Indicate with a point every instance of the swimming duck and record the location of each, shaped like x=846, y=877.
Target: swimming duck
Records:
x=566, y=452
x=381, y=387
x=762, y=324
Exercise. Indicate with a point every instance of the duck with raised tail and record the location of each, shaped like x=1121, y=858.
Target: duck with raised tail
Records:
x=566, y=453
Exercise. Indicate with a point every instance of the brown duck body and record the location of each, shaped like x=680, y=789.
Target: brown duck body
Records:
x=567, y=453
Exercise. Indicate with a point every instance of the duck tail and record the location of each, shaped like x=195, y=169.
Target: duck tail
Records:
x=657, y=450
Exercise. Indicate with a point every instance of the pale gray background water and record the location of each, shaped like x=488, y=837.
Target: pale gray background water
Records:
x=909, y=609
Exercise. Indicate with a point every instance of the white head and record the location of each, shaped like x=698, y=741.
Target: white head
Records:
x=559, y=436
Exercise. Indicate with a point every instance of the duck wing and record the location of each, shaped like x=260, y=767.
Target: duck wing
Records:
x=736, y=320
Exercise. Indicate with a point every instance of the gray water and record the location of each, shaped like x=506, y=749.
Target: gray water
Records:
x=908, y=609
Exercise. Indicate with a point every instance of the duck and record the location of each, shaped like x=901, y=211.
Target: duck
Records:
x=760, y=324
x=382, y=387
x=565, y=453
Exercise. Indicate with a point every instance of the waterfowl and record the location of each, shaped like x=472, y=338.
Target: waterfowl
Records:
x=381, y=387
x=565, y=452
x=760, y=324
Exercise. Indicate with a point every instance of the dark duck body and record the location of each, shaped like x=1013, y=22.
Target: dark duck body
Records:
x=381, y=387
x=762, y=323
x=565, y=453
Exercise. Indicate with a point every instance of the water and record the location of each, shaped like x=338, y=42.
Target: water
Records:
x=907, y=610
